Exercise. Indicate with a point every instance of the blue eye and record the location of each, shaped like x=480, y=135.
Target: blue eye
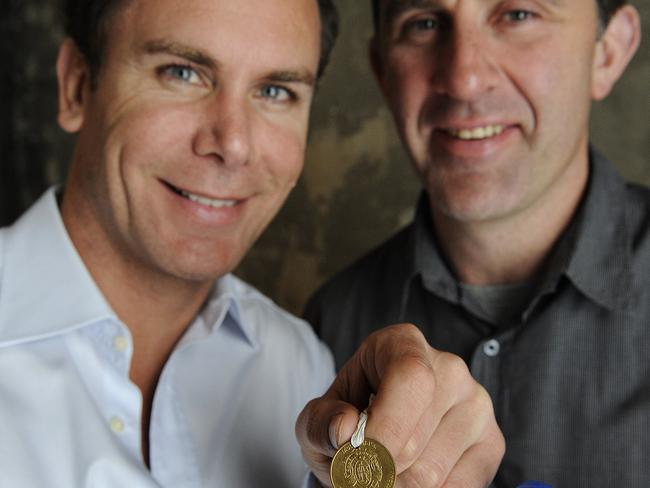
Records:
x=182, y=73
x=421, y=29
x=275, y=93
x=424, y=24
x=518, y=15
x=421, y=25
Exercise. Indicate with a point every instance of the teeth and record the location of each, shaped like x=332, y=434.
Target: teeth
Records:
x=209, y=202
x=477, y=133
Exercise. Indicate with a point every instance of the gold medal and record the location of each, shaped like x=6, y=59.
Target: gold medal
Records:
x=368, y=466
x=362, y=463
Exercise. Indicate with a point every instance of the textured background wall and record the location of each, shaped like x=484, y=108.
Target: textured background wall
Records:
x=357, y=187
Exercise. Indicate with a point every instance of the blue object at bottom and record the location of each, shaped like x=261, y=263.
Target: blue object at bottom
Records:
x=534, y=484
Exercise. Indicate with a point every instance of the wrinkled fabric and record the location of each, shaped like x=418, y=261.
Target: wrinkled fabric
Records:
x=225, y=405
x=569, y=376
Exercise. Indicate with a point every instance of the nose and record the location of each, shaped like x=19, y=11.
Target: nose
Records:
x=466, y=70
x=225, y=132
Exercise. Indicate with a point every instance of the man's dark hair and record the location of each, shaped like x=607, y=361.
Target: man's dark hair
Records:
x=606, y=9
x=86, y=22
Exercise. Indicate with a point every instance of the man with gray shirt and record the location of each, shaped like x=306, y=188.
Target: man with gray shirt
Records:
x=528, y=255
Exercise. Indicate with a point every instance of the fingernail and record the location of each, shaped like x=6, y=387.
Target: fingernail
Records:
x=334, y=427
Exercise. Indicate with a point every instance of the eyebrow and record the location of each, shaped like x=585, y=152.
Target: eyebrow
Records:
x=300, y=76
x=396, y=7
x=197, y=56
x=175, y=49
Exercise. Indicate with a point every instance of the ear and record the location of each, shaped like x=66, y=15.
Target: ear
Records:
x=73, y=75
x=614, y=50
x=377, y=62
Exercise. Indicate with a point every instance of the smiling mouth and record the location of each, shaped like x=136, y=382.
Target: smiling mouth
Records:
x=477, y=133
x=201, y=200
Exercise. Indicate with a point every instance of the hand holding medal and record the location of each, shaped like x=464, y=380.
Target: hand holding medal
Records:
x=362, y=462
x=429, y=415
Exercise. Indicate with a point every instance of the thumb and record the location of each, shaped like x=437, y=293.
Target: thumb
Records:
x=323, y=426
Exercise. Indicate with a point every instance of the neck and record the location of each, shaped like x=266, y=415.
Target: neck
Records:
x=513, y=248
x=156, y=307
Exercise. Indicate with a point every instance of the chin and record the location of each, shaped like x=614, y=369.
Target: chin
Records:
x=197, y=270
x=476, y=209
x=479, y=200
x=465, y=215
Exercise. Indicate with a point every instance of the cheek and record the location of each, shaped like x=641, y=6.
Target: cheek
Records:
x=149, y=143
x=553, y=79
x=158, y=130
x=281, y=153
x=406, y=89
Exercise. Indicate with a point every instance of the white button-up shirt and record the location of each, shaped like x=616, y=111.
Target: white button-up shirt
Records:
x=225, y=404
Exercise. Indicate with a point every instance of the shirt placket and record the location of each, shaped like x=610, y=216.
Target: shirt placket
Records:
x=118, y=399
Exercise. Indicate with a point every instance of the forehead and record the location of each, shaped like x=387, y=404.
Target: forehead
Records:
x=238, y=26
x=389, y=9
x=250, y=7
x=392, y=8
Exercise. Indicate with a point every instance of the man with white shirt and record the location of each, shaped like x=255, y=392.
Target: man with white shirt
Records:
x=129, y=356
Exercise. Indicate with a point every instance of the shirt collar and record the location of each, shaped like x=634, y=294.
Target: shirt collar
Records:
x=600, y=259
x=428, y=260
x=226, y=307
x=594, y=252
x=45, y=288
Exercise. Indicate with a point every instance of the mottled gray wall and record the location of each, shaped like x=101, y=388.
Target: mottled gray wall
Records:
x=33, y=151
x=357, y=187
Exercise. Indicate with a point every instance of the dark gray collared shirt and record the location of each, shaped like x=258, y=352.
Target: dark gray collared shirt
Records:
x=570, y=375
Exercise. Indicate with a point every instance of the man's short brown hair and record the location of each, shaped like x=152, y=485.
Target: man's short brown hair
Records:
x=86, y=22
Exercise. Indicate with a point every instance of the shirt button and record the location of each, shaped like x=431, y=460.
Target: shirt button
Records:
x=120, y=343
x=117, y=425
x=491, y=348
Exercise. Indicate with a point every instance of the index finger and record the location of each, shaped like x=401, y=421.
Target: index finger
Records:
x=396, y=364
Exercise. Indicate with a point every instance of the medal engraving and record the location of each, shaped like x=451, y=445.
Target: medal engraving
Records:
x=368, y=466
